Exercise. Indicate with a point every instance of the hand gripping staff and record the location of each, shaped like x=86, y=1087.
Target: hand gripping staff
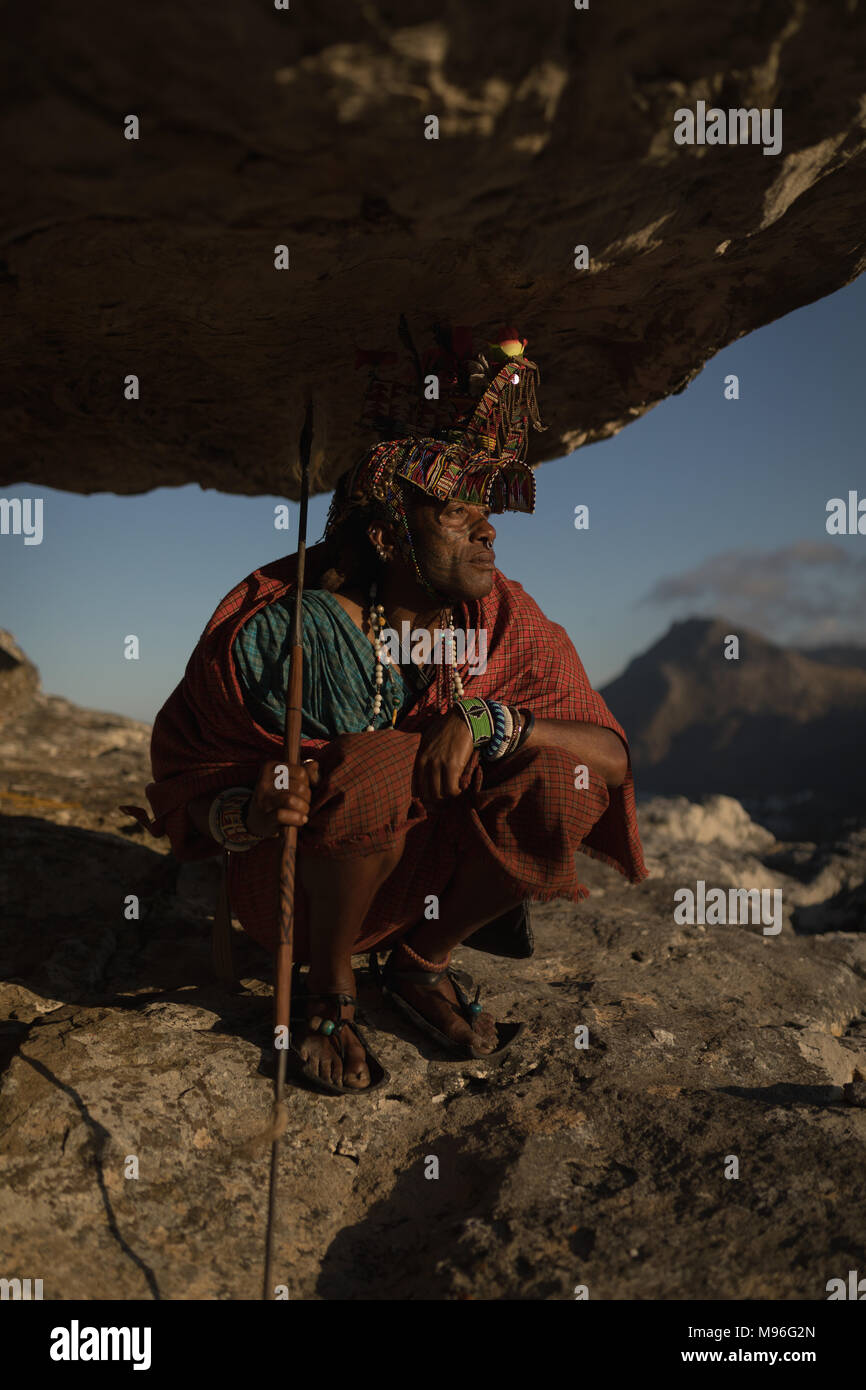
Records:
x=291, y=752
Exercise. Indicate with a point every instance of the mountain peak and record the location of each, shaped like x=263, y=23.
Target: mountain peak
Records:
x=760, y=720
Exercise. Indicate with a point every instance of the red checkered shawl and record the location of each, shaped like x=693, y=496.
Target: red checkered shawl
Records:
x=204, y=739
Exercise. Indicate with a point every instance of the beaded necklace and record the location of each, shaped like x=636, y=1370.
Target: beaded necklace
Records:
x=383, y=657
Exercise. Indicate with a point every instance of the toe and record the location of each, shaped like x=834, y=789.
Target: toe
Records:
x=486, y=1036
x=356, y=1073
x=461, y=1031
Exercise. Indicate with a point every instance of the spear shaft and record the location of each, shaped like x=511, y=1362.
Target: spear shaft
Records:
x=288, y=857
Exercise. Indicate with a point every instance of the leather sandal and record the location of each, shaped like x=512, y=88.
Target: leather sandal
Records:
x=469, y=1010
x=333, y=1028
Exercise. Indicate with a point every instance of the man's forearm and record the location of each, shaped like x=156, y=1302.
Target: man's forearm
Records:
x=600, y=749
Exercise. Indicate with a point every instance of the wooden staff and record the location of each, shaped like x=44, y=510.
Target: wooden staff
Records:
x=291, y=753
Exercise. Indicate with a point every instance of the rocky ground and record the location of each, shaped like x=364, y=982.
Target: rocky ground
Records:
x=558, y=1166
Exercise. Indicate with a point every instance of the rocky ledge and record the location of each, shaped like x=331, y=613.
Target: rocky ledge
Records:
x=306, y=128
x=603, y=1166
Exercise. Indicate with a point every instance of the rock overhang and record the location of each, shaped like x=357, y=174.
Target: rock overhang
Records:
x=155, y=257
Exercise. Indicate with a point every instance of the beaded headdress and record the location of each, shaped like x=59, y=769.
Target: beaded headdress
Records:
x=455, y=422
x=481, y=397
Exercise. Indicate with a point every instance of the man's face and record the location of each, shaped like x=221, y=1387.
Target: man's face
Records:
x=452, y=541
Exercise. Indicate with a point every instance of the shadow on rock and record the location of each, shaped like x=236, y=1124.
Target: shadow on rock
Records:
x=381, y=1256
x=88, y=916
x=787, y=1096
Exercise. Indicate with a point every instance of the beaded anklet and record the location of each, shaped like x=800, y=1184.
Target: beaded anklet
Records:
x=427, y=964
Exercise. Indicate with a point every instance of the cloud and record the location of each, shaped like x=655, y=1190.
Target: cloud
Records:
x=808, y=593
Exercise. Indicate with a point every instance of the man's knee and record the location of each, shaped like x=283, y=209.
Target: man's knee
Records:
x=551, y=766
x=387, y=859
x=320, y=869
x=364, y=795
x=376, y=764
x=555, y=786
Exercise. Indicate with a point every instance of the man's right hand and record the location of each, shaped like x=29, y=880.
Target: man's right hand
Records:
x=287, y=803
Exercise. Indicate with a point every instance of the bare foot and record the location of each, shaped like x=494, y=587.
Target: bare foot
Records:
x=318, y=1048
x=438, y=1004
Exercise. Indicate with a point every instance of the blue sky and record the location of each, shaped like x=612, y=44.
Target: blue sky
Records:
x=713, y=506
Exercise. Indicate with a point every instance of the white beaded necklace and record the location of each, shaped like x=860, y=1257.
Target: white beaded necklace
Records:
x=383, y=657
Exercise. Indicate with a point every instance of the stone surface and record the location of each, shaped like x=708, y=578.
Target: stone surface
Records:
x=558, y=1166
x=306, y=128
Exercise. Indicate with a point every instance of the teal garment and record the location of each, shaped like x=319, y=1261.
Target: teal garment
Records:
x=339, y=669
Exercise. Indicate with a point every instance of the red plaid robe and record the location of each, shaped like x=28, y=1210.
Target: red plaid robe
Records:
x=523, y=817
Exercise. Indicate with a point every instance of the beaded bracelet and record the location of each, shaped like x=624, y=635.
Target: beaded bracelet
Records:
x=516, y=732
x=496, y=728
x=519, y=724
x=527, y=729
x=510, y=716
x=502, y=747
x=226, y=820
x=495, y=746
x=496, y=742
x=478, y=715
